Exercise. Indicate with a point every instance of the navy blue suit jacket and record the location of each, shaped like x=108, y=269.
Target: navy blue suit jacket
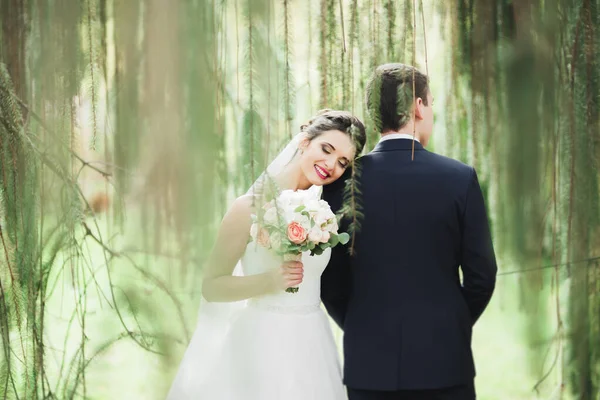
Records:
x=406, y=315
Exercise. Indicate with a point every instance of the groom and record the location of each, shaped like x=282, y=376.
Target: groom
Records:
x=406, y=315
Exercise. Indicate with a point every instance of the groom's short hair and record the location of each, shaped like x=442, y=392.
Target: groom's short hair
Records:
x=389, y=95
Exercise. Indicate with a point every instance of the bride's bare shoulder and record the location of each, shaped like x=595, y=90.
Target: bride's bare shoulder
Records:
x=237, y=220
x=243, y=206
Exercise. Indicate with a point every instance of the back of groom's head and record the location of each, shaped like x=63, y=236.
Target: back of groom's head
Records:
x=389, y=95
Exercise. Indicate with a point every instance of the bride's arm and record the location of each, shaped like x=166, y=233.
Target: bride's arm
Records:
x=219, y=285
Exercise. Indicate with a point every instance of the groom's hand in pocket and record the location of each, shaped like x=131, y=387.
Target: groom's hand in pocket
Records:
x=289, y=274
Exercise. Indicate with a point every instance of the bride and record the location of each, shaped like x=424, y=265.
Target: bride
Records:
x=255, y=341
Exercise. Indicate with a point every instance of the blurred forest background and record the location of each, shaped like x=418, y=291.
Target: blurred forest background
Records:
x=127, y=127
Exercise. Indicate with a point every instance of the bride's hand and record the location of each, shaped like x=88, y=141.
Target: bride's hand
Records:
x=289, y=274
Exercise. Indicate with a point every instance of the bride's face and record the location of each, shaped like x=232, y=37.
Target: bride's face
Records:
x=325, y=158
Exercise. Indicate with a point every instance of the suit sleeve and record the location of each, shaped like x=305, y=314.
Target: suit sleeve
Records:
x=336, y=279
x=478, y=261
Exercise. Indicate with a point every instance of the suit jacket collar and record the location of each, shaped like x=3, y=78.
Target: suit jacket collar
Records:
x=397, y=144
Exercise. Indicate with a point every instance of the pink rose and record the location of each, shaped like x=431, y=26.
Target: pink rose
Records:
x=263, y=238
x=296, y=233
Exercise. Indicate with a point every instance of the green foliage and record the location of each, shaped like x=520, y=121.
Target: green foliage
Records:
x=253, y=147
x=537, y=126
x=288, y=77
x=185, y=103
x=127, y=100
x=351, y=213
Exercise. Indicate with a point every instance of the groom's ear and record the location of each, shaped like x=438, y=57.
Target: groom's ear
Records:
x=419, y=108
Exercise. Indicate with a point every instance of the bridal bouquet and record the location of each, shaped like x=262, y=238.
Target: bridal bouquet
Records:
x=296, y=222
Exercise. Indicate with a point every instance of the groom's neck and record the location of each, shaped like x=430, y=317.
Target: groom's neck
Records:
x=407, y=129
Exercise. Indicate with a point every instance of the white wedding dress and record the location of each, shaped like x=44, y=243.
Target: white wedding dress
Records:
x=274, y=347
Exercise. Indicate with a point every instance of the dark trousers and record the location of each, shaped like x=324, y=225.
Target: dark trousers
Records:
x=462, y=392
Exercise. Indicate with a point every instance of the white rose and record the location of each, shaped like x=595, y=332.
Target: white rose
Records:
x=321, y=218
x=289, y=216
x=302, y=220
x=313, y=206
x=271, y=215
x=297, y=198
x=306, y=195
x=315, y=235
x=323, y=204
x=325, y=236
x=329, y=214
x=333, y=226
x=285, y=198
x=254, y=231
